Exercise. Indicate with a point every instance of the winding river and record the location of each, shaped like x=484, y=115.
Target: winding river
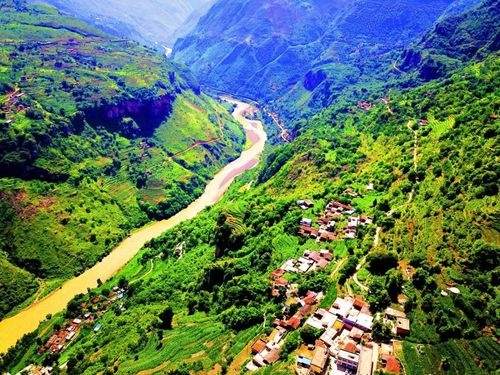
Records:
x=13, y=328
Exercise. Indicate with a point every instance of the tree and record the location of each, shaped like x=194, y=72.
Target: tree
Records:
x=379, y=262
x=381, y=331
x=166, y=317
x=310, y=334
x=292, y=342
x=394, y=283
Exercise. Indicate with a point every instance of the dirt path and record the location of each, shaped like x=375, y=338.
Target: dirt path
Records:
x=415, y=158
x=337, y=268
x=376, y=241
x=152, y=263
x=285, y=135
x=41, y=289
x=13, y=328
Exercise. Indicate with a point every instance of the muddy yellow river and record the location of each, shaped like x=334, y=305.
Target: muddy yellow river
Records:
x=13, y=328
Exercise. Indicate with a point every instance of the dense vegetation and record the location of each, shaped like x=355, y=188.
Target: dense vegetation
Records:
x=96, y=138
x=438, y=219
x=453, y=41
x=251, y=48
x=199, y=294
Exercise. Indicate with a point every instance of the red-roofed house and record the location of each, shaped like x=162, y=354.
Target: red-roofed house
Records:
x=272, y=356
x=326, y=254
x=391, y=364
x=308, y=232
x=281, y=283
x=276, y=274
x=351, y=347
x=322, y=263
x=313, y=255
x=259, y=346
x=294, y=322
x=305, y=310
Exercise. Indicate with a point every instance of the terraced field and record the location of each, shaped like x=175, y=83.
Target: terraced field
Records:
x=458, y=357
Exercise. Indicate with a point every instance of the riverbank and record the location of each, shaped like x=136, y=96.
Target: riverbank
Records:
x=13, y=328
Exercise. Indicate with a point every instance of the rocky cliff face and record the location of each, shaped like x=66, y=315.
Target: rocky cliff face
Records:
x=147, y=115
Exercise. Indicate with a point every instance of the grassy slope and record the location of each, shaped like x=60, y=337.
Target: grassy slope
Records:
x=71, y=190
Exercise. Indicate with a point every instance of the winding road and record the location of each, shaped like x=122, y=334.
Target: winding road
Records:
x=13, y=328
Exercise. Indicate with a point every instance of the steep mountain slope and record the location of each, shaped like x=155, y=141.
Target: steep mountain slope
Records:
x=474, y=30
x=454, y=41
x=424, y=167
x=96, y=138
x=261, y=48
x=151, y=22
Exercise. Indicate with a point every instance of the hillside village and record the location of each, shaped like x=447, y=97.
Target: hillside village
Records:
x=343, y=341
x=330, y=224
x=345, y=344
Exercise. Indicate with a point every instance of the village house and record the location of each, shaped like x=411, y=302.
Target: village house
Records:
x=305, y=222
x=352, y=221
x=337, y=207
x=320, y=359
x=350, y=233
x=400, y=323
x=402, y=327
x=348, y=360
x=258, y=346
x=368, y=359
x=366, y=106
x=350, y=192
x=308, y=231
x=346, y=326
x=276, y=274
x=390, y=364
x=305, y=204
x=365, y=220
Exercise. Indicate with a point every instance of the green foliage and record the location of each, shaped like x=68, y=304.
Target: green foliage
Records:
x=379, y=262
x=310, y=334
x=83, y=154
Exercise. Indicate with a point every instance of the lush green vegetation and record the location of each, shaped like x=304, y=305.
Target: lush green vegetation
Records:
x=431, y=153
x=97, y=137
x=440, y=218
x=334, y=49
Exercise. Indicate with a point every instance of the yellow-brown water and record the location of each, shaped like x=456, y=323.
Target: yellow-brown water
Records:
x=13, y=328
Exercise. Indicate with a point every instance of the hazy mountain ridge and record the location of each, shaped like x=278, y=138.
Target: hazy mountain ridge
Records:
x=151, y=22
x=261, y=48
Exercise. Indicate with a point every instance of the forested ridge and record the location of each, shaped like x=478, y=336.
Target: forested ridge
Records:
x=95, y=140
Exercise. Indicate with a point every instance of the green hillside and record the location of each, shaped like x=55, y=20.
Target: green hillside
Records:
x=436, y=210
x=250, y=48
x=454, y=41
x=87, y=145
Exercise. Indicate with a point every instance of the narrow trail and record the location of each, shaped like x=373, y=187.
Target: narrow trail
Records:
x=41, y=289
x=415, y=167
x=201, y=142
x=376, y=241
x=415, y=159
x=152, y=264
x=337, y=268
x=285, y=135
